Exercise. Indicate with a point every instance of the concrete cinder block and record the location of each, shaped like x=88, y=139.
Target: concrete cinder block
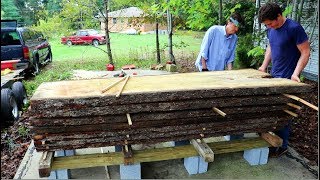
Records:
x=130, y=171
x=203, y=166
x=53, y=175
x=227, y=137
x=181, y=143
x=192, y=164
x=118, y=148
x=252, y=156
x=264, y=156
x=62, y=173
x=258, y=156
x=236, y=137
x=171, y=67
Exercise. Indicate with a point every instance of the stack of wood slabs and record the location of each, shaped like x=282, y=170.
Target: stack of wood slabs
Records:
x=152, y=109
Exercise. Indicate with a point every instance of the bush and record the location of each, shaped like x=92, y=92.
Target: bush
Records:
x=245, y=44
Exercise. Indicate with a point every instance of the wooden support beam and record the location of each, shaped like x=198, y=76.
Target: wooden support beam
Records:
x=291, y=113
x=45, y=163
x=151, y=155
x=204, y=150
x=113, y=84
x=219, y=111
x=302, y=101
x=124, y=84
x=272, y=139
x=294, y=106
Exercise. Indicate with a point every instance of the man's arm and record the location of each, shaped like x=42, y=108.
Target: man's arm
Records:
x=203, y=62
x=304, y=49
x=229, y=66
x=266, y=61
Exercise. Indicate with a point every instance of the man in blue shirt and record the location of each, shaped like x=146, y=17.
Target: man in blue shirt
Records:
x=218, y=46
x=288, y=50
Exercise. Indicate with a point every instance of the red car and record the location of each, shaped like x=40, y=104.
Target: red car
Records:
x=85, y=36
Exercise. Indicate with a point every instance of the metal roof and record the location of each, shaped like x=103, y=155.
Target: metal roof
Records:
x=127, y=12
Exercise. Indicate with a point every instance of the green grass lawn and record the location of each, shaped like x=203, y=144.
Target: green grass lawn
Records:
x=126, y=49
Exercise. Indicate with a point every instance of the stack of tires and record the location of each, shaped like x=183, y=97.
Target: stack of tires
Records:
x=12, y=101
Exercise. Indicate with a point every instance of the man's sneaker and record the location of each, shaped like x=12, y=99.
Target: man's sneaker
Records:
x=277, y=152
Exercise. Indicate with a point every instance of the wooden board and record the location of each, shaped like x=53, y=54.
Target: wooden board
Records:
x=235, y=79
x=150, y=155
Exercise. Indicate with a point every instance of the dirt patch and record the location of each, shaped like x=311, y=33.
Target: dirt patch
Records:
x=15, y=141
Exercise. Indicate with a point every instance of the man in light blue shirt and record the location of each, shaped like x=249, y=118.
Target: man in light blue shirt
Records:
x=219, y=45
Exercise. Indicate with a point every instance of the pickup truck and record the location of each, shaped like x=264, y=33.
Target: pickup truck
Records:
x=24, y=44
x=85, y=36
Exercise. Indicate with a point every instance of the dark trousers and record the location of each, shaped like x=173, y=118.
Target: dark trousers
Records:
x=284, y=134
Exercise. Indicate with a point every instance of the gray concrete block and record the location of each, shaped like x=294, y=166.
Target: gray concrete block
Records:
x=227, y=137
x=118, y=148
x=203, y=166
x=130, y=171
x=192, y=164
x=252, y=156
x=264, y=155
x=53, y=175
x=181, y=143
x=63, y=174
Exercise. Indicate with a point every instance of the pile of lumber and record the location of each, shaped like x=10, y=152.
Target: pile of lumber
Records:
x=151, y=109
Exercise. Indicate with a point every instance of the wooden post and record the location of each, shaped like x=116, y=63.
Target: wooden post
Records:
x=272, y=139
x=45, y=163
x=204, y=150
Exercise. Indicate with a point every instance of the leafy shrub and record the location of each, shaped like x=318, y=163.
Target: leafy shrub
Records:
x=257, y=55
x=245, y=44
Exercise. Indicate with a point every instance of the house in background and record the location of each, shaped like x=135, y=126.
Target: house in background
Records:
x=130, y=20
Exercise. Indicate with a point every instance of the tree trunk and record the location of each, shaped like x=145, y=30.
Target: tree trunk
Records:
x=157, y=41
x=300, y=10
x=169, y=22
x=107, y=33
x=295, y=10
x=258, y=5
x=220, y=12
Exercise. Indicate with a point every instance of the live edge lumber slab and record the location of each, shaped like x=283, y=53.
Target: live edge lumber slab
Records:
x=151, y=155
x=164, y=88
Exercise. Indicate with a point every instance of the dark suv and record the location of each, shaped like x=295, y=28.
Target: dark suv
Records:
x=24, y=44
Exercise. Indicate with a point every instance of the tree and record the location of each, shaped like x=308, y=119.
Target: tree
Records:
x=107, y=33
x=170, y=29
x=9, y=10
x=220, y=12
x=155, y=13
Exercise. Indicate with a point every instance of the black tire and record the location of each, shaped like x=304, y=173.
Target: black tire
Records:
x=69, y=43
x=95, y=43
x=20, y=94
x=9, y=108
x=36, y=66
x=49, y=57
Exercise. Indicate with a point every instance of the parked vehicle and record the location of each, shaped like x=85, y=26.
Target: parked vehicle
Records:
x=85, y=36
x=28, y=46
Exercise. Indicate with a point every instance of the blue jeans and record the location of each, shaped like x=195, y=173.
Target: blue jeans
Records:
x=284, y=134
